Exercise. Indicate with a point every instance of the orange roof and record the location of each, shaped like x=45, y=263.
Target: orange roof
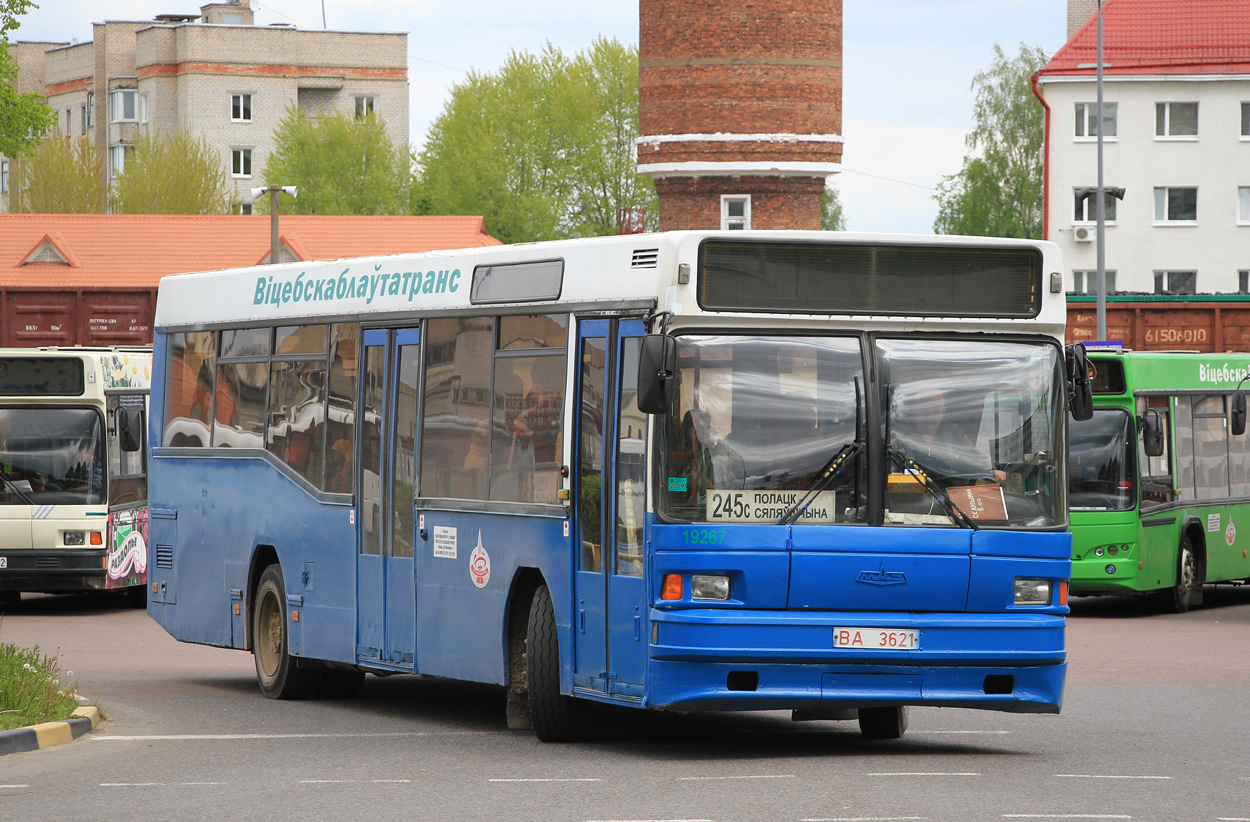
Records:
x=1161, y=37
x=116, y=251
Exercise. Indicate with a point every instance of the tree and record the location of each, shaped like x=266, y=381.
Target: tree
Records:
x=342, y=164
x=998, y=191
x=60, y=176
x=543, y=149
x=832, y=216
x=175, y=174
x=23, y=117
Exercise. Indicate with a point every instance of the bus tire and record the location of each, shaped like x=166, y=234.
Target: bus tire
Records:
x=137, y=596
x=556, y=717
x=883, y=723
x=276, y=671
x=1180, y=596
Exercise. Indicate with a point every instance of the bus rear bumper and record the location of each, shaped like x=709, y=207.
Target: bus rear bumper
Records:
x=53, y=571
x=706, y=661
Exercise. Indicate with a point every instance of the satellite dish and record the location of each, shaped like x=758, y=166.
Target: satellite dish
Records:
x=254, y=5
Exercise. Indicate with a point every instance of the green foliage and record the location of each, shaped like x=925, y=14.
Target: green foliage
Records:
x=342, y=164
x=60, y=176
x=832, y=216
x=172, y=175
x=543, y=149
x=998, y=192
x=23, y=117
x=32, y=688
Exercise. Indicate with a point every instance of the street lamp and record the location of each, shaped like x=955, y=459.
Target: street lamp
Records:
x=273, y=213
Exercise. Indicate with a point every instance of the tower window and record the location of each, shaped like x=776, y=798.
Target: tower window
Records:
x=735, y=212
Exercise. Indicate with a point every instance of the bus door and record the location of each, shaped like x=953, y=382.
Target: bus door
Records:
x=610, y=596
x=386, y=597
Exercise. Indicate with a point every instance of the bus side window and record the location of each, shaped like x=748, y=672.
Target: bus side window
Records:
x=1157, y=486
x=128, y=481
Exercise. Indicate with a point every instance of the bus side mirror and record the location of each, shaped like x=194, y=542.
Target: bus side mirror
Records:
x=1152, y=433
x=657, y=374
x=130, y=428
x=1080, y=387
x=1239, y=413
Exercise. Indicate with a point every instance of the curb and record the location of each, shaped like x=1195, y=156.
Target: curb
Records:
x=47, y=734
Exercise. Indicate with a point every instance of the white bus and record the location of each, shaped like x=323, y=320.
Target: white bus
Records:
x=73, y=471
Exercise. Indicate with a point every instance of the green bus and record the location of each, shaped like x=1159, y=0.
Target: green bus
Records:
x=1159, y=477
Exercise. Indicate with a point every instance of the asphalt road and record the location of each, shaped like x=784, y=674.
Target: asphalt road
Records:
x=1155, y=726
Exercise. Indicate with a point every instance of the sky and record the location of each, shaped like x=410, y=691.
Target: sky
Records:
x=907, y=68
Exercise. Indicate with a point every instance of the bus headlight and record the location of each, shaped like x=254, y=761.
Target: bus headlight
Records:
x=75, y=537
x=703, y=586
x=1032, y=591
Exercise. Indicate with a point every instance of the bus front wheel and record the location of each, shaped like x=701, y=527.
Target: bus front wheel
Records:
x=276, y=671
x=1180, y=596
x=883, y=723
x=556, y=717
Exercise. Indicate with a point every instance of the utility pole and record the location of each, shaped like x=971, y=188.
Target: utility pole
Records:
x=274, y=191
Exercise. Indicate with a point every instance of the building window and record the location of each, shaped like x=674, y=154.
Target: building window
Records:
x=1087, y=120
x=245, y=208
x=1176, y=282
x=1086, y=282
x=1176, y=119
x=241, y=108
x=4, y=176
x=241, y=162
x=364, y=106
x=735, y=212
x=1243, y=205
x=1245, y=121
x=69, y=121
x=143, y=108
x=1176, y=205
x=125, y=106
x=117, y=159
x=89, y=120
x=1243, y=281
x=1086, y=208
x=82, y=118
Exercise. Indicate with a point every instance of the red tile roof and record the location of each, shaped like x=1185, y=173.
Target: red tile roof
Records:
x=1161, y=37
x=114, y=251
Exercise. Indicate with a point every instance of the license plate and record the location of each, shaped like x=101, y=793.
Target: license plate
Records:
x=4, y=562
x=876, y=638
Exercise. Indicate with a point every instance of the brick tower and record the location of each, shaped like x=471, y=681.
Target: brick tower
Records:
x=739, y=110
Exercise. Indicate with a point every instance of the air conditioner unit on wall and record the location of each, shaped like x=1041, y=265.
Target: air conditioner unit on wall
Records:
x=1083, y=235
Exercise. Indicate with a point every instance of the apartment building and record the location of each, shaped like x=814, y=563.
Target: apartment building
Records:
x=215, y=74
x=1176, y=138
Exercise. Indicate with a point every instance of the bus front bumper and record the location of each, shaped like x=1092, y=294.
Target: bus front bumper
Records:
x=52, y=571
x=741, y=660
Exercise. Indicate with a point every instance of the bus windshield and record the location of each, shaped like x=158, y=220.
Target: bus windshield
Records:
x=1100, y=462
x=51, y=456
x=758, y=419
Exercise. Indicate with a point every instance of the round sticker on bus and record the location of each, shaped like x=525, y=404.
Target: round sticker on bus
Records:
x=479, y=564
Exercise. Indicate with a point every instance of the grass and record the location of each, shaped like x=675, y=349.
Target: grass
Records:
x=34, y=687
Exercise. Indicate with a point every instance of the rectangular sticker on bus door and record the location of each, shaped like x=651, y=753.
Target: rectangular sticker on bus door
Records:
x=768, y=506
x=444, y=542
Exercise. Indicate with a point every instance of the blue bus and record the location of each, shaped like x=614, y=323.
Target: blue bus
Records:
x=802, y=471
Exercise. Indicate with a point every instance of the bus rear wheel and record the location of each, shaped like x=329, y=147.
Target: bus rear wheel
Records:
x=276, y=671
x=556, y=717
x=883, y=723
x=1181, y=595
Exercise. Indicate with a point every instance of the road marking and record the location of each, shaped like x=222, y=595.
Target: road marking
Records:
x=865, y=819
x=579, y=779
x=922, y=773
x=650, y=820
x=1233, y=818
x=156, y=784
x=13, y=786
x=352, y=781
x=760, y=776
x=215, y=737
x=1105, y=776
x=1064, y=816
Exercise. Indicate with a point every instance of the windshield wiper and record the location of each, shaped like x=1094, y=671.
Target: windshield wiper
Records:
x=953, y=511
x=828, y=473
x=13, y=487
